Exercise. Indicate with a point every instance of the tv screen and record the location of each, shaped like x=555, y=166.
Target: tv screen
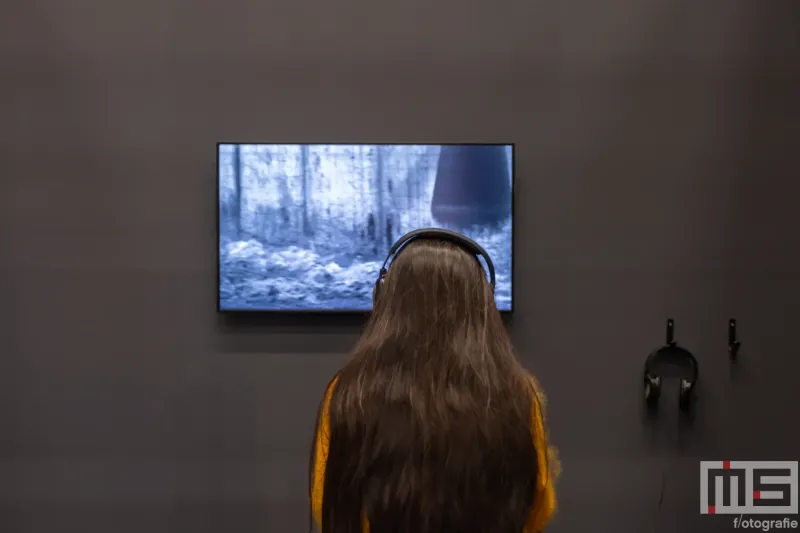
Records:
x=306, y=227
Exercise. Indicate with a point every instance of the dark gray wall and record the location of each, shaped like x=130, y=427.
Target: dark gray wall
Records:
x=658, y=150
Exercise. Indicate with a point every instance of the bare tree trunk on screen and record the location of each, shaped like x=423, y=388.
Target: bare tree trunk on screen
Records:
x=380, y=223
x=237, y=184
x=306, y=193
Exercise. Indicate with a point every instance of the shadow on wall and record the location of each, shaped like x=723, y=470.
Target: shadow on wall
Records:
x=288, y=333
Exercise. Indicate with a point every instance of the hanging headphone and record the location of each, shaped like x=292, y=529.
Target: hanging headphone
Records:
x=436, y=234
x=674, y=355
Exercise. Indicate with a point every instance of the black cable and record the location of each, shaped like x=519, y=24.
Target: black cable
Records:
x=657, y=521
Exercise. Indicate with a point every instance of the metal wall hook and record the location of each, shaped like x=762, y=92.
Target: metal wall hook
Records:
x=670, y=332
x=733, y=342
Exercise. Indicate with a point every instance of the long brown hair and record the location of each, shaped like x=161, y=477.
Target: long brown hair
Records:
x=430, y=421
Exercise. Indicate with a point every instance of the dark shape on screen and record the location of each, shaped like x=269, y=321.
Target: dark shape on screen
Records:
x=472, y=186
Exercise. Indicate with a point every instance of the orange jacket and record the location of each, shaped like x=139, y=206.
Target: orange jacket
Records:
x=544, y=503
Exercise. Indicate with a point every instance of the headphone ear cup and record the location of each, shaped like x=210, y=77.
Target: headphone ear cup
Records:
x=652, y=390
x=685, y=397
x=375, y=290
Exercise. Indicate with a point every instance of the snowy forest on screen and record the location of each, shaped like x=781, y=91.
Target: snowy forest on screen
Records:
x=307, y=227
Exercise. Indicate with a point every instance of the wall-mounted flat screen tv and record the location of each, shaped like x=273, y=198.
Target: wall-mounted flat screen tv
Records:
x=306, y=227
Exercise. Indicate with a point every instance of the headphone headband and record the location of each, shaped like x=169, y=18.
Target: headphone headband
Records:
x=669, y=353
x=441, y=235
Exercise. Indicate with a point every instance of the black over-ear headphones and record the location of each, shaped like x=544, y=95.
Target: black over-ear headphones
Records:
x=435, y=234
x=674, y=355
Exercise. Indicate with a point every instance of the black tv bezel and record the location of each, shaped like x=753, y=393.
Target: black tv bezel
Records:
x=357, y=312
